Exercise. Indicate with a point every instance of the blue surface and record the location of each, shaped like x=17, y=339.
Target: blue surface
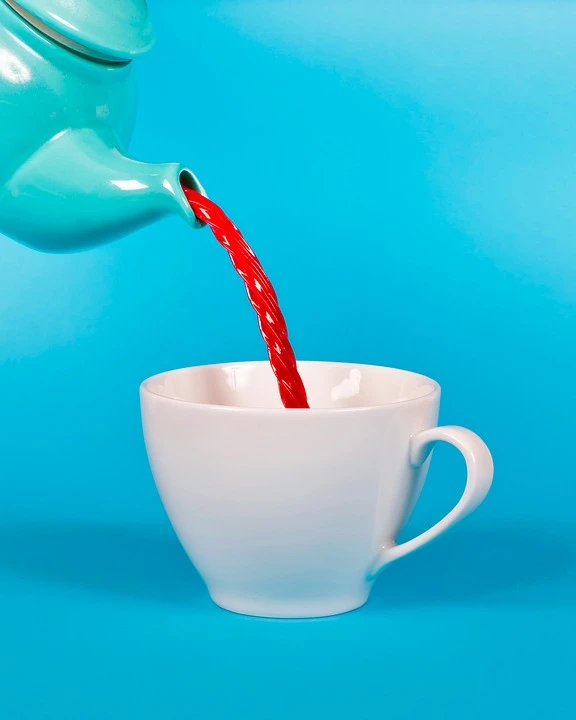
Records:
x=430, y=147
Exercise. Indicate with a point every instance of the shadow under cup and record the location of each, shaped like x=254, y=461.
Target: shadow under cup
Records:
x=287, y=513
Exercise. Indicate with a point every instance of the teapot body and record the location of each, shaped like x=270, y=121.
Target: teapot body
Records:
x=66, y=118
x=45, y=90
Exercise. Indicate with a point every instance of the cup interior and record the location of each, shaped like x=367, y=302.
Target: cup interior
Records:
x=329, y=385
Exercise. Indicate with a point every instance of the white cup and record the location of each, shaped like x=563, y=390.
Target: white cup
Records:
x=293, y=513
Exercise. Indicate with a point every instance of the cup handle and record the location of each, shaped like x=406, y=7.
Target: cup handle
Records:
x=479, y=468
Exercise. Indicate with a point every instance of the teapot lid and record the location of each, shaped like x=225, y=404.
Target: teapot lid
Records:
x=107, y=29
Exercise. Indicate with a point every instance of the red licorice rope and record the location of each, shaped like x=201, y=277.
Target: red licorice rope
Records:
x=261, y=295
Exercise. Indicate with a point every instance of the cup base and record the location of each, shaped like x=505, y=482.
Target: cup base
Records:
x=288, y=609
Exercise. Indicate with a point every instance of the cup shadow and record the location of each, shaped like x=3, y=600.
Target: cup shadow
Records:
x=142, y=563
x=511, y=565
x=489, y=565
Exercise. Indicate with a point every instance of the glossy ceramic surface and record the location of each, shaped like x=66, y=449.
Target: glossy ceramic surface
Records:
x=293, y=513
x=119, y=29
x=65, y=180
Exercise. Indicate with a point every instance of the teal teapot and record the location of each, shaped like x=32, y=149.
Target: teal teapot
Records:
x=67, y=110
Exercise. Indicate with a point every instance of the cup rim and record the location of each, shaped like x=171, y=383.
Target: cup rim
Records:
x=435, y=390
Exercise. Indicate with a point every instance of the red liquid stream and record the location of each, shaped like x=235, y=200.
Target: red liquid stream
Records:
x=261, y=295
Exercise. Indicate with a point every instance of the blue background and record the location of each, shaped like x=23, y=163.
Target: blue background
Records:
x=419, y=160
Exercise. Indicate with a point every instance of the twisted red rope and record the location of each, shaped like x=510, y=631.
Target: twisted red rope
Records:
x=261, y=295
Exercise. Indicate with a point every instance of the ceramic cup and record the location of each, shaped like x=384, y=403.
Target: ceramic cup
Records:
x=293, y=513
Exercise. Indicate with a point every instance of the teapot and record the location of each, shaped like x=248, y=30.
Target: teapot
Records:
x=67, y=112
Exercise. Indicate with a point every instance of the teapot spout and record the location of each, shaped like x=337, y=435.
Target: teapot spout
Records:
x=78, y=191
